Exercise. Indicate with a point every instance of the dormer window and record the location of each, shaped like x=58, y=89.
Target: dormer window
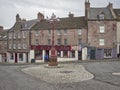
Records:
x=101, y=16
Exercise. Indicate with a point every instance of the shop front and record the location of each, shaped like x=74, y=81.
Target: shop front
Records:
x=40, y=51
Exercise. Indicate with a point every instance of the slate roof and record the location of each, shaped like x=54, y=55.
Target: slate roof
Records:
x=64, y=23
x=3, y=35
x=23, y=25
x=28, y=24
x=94, y=12
x=117, y=12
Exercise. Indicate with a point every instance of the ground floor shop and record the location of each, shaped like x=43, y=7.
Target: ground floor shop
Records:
x=17, y=57
x=3, y=57
x=63, y=53
x=102, y=53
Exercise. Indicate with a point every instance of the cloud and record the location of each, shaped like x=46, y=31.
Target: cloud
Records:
x=29, y=8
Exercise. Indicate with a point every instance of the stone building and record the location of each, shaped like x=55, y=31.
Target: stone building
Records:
x=18, y=40
x=101, y=31
x=70, y=33
x=93, y=36
x=117, y=12
x=3, y=44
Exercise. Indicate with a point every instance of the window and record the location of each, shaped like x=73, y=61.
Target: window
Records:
x=107, y=53
x=65, y=41
x=24, y=45
x=79, y=32
x=19, y=35
x=65, y=31
x=36, y=32
x=14, y=46
x=49, y=31
x=65, y=54
x=10, y=35
x=24, y=34
x=102, y=29
x=10, y=46
x=36, y=42
x=59, y=53
x=79, y=41
x=20, y=57
x=58, y=32
x=72, y=54
x=11, y=56
x=59, y=41
x=49, y=41
x=19, y=46
x=101, y=16
x=14, y=35
x=101, y=42
x=38, y=54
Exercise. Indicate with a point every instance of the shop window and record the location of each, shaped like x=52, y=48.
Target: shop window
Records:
x=65, y=53
x=59, y=53
x=107, y=53
x=11, y=56
x=72, y=54
x=20, y=57
x=38, y=54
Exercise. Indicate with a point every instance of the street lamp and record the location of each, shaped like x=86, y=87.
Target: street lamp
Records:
x=53, y=58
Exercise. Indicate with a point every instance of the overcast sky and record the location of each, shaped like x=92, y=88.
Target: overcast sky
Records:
x=28, y=9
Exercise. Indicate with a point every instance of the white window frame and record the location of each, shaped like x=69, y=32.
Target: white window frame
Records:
x=36, y=32
x=24, y=46
x=10, y=46
x=19, y=35
x=24, y=34
x=101, y=42
x=49, y=31
x=19, y=46
x=14, y=35
x=14, y=46
x=58, y=32
x=65, y=31
x=10, y=35
x=102, y=29
x=79, y=31
x=65, y=42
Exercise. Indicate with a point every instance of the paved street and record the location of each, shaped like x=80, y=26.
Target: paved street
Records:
x=12, y=78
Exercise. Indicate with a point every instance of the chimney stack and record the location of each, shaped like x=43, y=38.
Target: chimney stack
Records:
x=110, y=5
x=71, y=15
x=87, y=8
x=18, y=18
x=1, y=28
x=40, y=16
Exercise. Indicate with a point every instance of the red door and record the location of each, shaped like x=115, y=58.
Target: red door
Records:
x=15, y=57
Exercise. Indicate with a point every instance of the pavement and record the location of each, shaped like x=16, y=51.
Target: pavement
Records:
x=64, y=73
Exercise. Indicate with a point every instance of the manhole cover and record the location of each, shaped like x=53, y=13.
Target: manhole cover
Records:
x=66, y=72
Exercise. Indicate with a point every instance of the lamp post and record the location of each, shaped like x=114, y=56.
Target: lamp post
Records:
x=53, y=58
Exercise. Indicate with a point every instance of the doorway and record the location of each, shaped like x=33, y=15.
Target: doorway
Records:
x=79, y=55
x=15, y=57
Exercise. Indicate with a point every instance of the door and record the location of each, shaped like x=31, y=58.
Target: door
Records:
x=15, y=57
x=92, y=54
x=79, y=55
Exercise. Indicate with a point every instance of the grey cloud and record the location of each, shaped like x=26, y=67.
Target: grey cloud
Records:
x=29, y=8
